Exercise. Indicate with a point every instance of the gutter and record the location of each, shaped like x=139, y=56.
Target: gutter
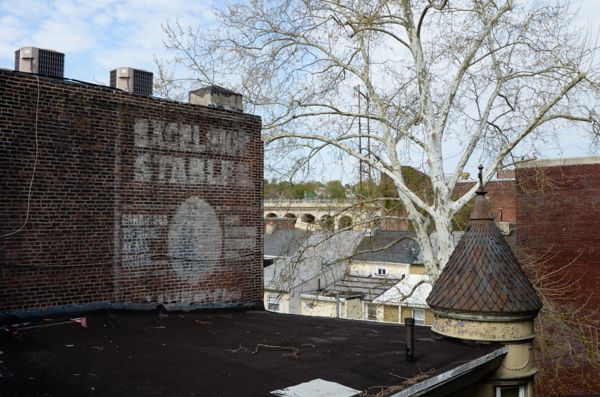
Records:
x=432, y=385
x=322, y=298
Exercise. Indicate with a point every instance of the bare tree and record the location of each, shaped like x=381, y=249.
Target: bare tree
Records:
x=496, y=76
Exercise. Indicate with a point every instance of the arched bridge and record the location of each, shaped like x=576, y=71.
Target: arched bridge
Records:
x=321, y=214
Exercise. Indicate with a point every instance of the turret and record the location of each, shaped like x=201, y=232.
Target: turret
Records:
x=483, y=295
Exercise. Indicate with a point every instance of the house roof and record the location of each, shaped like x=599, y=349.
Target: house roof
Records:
x=355, y=285
x=372, y=248
x=284, y=242
x=320, y=250
x=229, y=354
x=397, y=294
x=483, y=274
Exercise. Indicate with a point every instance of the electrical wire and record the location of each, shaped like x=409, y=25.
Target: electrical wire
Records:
x=37, y=149
x=37, y=108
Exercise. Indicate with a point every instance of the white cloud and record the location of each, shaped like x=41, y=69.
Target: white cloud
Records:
x=95, y=36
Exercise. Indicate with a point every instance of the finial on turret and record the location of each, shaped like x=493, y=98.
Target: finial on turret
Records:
x=480, y=176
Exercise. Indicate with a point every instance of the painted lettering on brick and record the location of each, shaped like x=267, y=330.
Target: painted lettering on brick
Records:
x=189, y=166
x=190, y=171
x=195, y=240
x=160, y=135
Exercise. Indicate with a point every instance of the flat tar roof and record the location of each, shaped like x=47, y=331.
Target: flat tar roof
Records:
x=221, y=354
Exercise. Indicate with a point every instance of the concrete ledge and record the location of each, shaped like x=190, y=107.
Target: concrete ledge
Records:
x=76, y=310
x=560, y=162
x=56, y=310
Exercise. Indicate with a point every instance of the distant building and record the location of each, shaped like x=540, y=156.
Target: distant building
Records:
x=363, y=279
x=282, y=244
x=558, y=214
x=320, y=261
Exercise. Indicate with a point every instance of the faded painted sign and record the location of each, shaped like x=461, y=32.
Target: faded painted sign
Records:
x=195, y=240
x=190, y=165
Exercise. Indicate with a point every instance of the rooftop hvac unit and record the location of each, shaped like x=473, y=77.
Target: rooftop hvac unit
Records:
x=39, y=61
x=132, y=80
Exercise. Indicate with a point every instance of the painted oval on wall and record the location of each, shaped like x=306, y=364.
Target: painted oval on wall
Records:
x=195, y=239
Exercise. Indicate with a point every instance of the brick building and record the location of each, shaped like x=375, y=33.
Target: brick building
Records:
x=502, y=196
x=558, y=214
x=113, y=198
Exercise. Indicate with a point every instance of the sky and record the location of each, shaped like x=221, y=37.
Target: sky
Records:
x=101, y=35
x=95, y=36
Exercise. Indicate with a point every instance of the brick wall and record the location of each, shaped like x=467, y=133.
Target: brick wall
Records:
x=133, y=199
x=558, y=217
x=501, y=195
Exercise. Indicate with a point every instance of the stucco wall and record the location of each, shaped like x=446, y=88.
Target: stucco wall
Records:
x=394, y=269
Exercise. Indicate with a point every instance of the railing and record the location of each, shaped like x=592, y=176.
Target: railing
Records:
x=308, y=201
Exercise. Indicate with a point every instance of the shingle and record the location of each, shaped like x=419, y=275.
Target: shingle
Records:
x=483, y=274
x=405, y=250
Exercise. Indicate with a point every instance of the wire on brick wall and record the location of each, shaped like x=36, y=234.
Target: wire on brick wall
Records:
x=37, y=149
x=37, y=108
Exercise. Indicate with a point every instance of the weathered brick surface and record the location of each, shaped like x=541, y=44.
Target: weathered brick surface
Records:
x=133, y=199
x=558, y=217
x=501, y=195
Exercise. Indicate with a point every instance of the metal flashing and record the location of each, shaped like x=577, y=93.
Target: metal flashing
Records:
x=430, y=384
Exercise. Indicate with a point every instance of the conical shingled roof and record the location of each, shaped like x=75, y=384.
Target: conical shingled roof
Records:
x=483, y=274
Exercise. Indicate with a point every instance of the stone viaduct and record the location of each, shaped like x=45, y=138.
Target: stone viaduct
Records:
x=321, y=214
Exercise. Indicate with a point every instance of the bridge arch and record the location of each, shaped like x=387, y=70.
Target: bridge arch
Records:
x=290, y=215
x=271, y=215
x=308, y=218
x=327, y=222
x=344, y=222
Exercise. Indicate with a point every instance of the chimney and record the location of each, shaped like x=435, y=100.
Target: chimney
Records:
x=39, y=61
x=505, y=174
x=217, y=97
x=132, y=80
x=410, y=339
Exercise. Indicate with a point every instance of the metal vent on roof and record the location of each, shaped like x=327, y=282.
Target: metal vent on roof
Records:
x=39, y=61
x=113, y=78
x=51, y=63
x=137, y=81
x=142, y=82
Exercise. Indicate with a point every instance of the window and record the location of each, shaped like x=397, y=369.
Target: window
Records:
x=274, y=303
x=510, y=391
x=419, y=316
x=370, y=311
x=381, y=271
x=309, y=305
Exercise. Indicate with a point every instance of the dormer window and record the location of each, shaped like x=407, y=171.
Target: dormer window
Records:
x=382, y=271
